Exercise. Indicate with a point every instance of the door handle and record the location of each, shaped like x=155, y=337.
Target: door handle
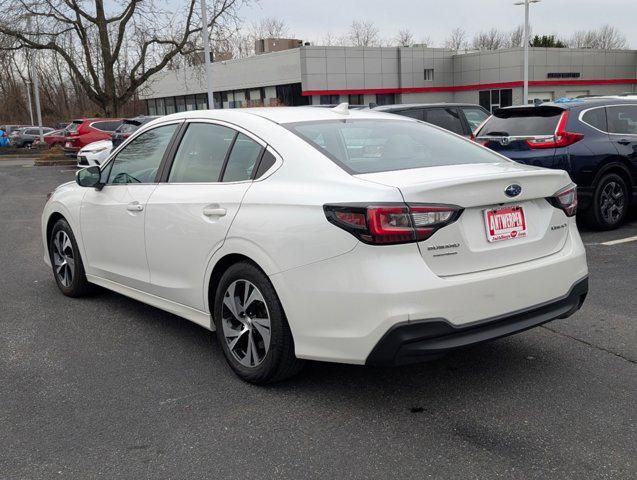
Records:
x=623, y=141
x=214, y=211
x=134, y=207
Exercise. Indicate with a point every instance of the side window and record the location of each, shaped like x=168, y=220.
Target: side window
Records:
x=623, y=119
x=242, y=160
x=417, y=113
x=474, y=116
x=201, y=153
x=596, y=118
x=447, y=118
x=139, y=161
x=267, y=161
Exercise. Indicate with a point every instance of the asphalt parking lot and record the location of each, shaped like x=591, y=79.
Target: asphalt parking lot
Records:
x=109, y=387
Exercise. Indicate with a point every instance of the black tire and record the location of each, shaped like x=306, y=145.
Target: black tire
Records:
x=279, y=361
x=76, y=284
x=610, y=203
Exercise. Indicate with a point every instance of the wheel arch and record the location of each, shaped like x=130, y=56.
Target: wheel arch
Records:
x=616, y=166
x=52, y=220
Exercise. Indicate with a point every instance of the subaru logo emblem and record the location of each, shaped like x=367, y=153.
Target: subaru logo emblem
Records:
x=513, y=190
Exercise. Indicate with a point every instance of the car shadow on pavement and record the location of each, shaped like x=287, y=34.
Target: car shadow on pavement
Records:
x=486, y=370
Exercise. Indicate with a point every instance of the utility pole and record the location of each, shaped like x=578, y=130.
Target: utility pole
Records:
x=28, y=83
x=206, y=50
x=526, y=46
x=36, y=86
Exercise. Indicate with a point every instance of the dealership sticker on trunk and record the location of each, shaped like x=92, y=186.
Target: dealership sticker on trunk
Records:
x=505, y=223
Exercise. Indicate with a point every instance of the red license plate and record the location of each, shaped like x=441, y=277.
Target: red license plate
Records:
x=505, y=223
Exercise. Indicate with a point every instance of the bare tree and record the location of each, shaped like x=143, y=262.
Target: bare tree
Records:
x=331, y=40
x=110, y=55
x=488, y=40
x=606, y=37
x=363, y=34
x=270, y=27
x=404, y=38
x=457, y=40
x=241, y=41
x=515, y=38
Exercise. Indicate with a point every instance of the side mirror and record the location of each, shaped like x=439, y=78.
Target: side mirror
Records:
x=89, y=177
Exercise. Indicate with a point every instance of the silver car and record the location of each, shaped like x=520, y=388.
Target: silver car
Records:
x=24, y=137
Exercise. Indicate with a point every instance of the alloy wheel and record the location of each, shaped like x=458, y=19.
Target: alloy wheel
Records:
x=246, y=323
x=63, y=258
x=612, y=202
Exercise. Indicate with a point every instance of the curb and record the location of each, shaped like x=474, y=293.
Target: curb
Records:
x=39, y=162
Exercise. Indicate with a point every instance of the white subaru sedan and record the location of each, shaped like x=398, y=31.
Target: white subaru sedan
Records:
x=322, y=234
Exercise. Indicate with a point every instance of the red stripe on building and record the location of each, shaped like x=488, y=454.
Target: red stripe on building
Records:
x=476, y=86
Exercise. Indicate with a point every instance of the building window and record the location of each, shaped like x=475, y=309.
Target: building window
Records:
x=170, y=105
x=429, y=74
x=330, y=99
x=191, y=104
x=492, y=99
x=161, y=110
x=181, y=104
x=152, y=110
x=385, y=99
x=358, y=99
x=202, y=101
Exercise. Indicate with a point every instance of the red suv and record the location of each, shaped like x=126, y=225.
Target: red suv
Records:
x=83, y=131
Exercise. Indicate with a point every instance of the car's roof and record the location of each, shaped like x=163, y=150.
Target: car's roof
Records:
x=281, y=115
x=406, y=106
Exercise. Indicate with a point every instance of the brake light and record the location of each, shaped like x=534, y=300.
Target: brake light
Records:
x=392, y=223
x=566, y=200
x=561, y=138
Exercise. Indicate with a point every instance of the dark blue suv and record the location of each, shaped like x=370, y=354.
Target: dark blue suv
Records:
x=594, y=140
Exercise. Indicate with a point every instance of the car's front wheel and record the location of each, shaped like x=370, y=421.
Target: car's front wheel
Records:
x=252, y=328
x=66, y=261
x=610, y=203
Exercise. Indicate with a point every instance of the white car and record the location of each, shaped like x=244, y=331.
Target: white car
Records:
x=94, y=154
x=325, y=234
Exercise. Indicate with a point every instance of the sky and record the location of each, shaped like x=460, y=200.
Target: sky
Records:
x=310, y=19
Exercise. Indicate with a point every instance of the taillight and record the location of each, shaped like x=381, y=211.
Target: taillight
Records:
x=391, y=224
x=562, y=138
x=566, y=200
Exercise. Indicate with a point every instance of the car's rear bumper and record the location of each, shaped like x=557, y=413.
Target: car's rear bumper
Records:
x=339, y=309
x=418, y=341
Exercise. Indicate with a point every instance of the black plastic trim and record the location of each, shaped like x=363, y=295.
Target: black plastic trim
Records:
x=421, y=340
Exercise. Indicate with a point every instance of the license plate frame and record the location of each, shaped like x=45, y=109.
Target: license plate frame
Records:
x=505, y=223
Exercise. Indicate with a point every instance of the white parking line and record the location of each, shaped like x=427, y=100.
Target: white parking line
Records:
x=621, y=240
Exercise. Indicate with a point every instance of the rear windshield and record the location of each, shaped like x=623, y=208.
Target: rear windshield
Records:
x=128, y=127
x=368, y=146
x=522, y=122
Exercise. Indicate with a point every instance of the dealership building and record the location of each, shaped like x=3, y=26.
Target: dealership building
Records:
x=329, y=75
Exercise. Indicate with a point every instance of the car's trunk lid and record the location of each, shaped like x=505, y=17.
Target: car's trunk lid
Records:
x=463, y=246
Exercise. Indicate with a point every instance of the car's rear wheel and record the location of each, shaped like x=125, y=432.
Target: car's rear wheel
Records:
x=610, y=203
x=252, y=328
x=66, y=261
